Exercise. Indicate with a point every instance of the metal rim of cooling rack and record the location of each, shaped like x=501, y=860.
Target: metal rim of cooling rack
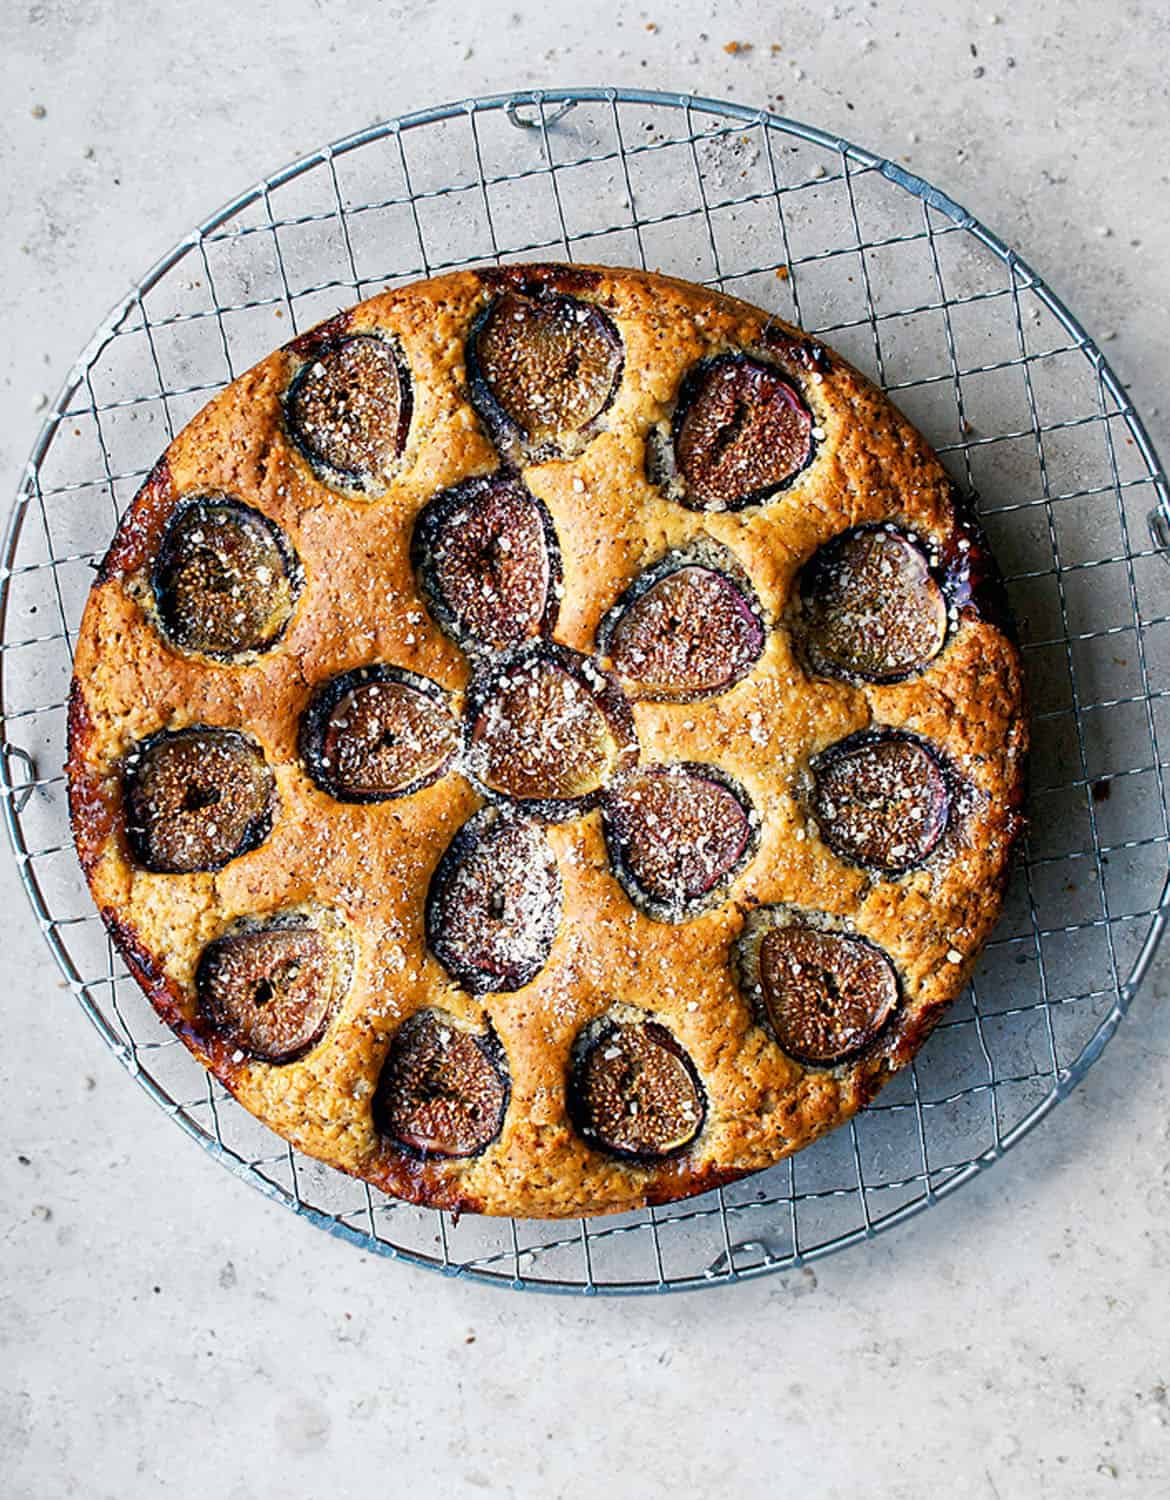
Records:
x=14, y=792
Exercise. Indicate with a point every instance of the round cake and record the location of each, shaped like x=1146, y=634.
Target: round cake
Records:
x=549, y=740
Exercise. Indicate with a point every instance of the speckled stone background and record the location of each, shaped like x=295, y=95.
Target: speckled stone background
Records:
x=165, y=1329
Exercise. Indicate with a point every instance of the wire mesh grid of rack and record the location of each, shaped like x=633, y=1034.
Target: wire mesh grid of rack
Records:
x=1018, y=401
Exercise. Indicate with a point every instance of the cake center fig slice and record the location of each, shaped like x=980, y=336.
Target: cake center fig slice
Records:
x=494, y=903
x=547, y=730
x=377, y=733
x=487, y=560
x=683, y=633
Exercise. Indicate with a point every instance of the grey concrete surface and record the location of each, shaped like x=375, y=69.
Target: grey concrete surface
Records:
x=163, y=1329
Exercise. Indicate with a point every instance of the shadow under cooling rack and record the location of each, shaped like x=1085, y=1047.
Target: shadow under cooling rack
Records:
x=970, y=343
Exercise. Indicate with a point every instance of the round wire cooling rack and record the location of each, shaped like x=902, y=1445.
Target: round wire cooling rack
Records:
x=981, y=355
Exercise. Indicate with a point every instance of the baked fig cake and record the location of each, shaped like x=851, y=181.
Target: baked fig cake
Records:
x=549, y=740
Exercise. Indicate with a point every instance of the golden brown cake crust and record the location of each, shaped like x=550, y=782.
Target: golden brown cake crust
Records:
x=372, y=864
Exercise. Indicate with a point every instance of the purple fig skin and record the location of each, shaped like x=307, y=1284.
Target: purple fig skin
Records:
x=196, y=798
x=741, y=433
x=828, y=995
x=443, y=1091
x=634, y=1092
x=882, y=800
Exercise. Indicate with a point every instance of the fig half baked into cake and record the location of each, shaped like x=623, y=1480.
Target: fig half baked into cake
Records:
x=549, y=740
